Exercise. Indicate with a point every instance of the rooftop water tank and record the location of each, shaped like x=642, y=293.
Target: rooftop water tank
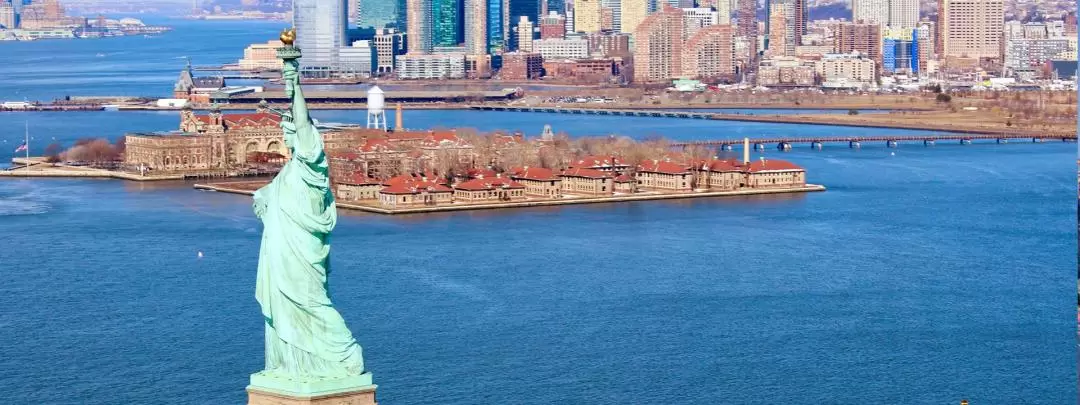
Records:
x=376, y=100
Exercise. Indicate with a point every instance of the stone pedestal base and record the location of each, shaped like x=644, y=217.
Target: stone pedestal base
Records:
x=268, y=389
x=259, y=397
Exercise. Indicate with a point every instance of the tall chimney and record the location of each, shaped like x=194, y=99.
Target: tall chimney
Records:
x=746, y=151
x=398, y=125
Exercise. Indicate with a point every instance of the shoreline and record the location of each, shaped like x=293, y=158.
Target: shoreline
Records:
x=809, y=188
x=467, y=106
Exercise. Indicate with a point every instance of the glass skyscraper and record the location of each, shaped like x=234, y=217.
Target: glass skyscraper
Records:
x=445, y=19
x=526, y=8
x=320, y=31
x=381, y=14
x=496, y=25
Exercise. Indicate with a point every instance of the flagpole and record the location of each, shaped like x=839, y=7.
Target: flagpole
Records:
x=26, y=141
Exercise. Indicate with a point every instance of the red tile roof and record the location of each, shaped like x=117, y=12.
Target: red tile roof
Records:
x=488, y=184
x=415, y=187
x=534, y=173
x=588, y=173
x=661, y=166
x=624, y=178
x=340, y=154
x=717, y=165
x=480, y=173
x=359, y=179
x=772, y=165
x=406, y=136
x=374, y=145
x=597, y=161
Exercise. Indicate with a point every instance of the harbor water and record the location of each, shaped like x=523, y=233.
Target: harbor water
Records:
x=923, y=275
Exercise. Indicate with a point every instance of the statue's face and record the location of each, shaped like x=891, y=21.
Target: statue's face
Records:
x=289, y=128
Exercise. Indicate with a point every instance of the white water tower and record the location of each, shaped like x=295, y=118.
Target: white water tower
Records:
x=376, y=108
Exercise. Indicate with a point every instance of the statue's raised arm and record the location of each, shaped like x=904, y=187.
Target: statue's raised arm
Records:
x=305, y=140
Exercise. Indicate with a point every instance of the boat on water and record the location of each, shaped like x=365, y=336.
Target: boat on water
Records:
x=100, y=55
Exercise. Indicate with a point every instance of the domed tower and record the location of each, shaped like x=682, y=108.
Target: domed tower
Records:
x=376, y=108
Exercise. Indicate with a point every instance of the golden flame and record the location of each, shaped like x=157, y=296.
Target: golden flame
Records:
x=288, y=36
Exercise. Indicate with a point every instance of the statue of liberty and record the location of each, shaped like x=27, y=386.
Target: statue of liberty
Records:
x=306, y=338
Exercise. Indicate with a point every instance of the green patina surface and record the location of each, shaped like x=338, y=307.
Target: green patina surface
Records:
x=309, y=350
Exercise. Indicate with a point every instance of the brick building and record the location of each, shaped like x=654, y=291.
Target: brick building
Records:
x=214, y=141
x=521, y=66
x=587, y=182
x=580, y=70
x=710, y=53
x=658, y=44
x=774, y=174
x=659, y=175
x=539, y=182
x=492, y=189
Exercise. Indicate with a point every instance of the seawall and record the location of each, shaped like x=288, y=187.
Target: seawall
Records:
x=225, y=188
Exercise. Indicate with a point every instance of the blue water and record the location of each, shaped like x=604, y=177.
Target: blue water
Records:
x=924, y=275
x=131, y=66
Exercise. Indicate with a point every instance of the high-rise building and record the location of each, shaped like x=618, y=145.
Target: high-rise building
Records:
x=925, y=34
x=782, y=27
x=862, y=38
x=498, y=14
x=586, y=16
x=445, y=21
x=476, y=42
x=723, y=9
x=695, y=19
x=7, y=15
x=53, y=9
x=747, y=32
x=870, y=11
x=710, y=53
x=418, y=27
x=358, y=58
x=320, y=31
x=632, y=13
x=614, y=18
x=777, y=29
x=552, y=25
x=608, y=44
x=569, y=14
x=389, y=43
x=570, y=48
x=890, y=13
x=903, y=13
x=1028, y=49
x=524, y=34
x=799, y=22
x=558, y=6
x=900, y=51
x=972, y=28
x=524, y=8
x=658, y=46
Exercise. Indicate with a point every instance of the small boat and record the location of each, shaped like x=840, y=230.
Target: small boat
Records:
x=100, y=55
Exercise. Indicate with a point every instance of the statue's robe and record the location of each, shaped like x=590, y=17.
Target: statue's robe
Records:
x=305, y=335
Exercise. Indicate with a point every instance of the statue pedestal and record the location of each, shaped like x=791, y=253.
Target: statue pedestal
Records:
x=269, y=389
